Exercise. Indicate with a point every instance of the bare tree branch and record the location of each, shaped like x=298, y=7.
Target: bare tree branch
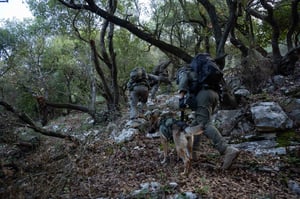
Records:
x=91, y=6
x=31, y=124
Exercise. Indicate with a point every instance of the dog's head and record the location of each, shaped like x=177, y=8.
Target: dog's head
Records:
x=154, y=118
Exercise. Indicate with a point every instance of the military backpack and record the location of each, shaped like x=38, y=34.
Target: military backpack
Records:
x=208, y=73
x=138, y=76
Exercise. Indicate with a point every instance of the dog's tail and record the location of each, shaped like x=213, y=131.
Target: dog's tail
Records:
x=194, y=130
x=189, y=130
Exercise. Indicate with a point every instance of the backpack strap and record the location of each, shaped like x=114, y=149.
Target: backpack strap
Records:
x=181, y=124
x=166, y=127
x=137, y=82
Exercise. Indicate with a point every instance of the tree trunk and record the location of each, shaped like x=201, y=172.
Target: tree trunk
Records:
x=269, y=18
x=294, y=22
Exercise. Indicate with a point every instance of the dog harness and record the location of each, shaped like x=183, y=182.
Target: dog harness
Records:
x=165, y=127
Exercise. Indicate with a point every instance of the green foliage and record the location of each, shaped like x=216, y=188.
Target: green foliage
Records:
x=109, y=151
x=171, y=146
x=182, y=196
x=67, y=66
x=51, y=15
x=7, y=42
x=285, y=138
x=26, y=103
x=46, y=56
x=293, y=160
x=203, y=190
x=282, y=15
x=175, y=22
x=213, y=156
x=131, y=55
x=42, y=65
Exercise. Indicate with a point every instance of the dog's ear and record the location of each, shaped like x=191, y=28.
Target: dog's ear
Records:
x=167, y=114
x=156, y=112
x=154, y=120
x=152, y=116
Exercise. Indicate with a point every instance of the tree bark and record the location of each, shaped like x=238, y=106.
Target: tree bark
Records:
x=295, y=21
x=234, y=12
x=107, y=94
x=91, y=6
x=31, y=124
x=269, y=18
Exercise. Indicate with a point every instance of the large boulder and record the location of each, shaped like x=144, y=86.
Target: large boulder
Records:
x=269, y=116
x=292, y=109
x=226, y=120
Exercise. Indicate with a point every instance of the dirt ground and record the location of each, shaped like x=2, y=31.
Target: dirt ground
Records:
x=59, y=168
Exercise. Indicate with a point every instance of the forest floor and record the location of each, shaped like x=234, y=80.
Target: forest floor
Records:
x=58, y=168
x=100, y=168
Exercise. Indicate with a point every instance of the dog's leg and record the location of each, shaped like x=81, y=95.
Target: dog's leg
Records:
x=190, y=141
x=181, y=144
x=186, y=161
x=181, y=153
x=187, y=155
x=187, y=166
x=164, y=143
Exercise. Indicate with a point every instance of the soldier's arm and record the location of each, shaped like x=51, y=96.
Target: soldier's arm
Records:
x=183, y=84
x=153, y=77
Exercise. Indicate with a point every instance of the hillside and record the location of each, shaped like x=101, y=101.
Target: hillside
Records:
x=101, y=169
x=97, y=167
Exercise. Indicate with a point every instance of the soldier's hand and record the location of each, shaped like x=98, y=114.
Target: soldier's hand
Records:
x=182, y=103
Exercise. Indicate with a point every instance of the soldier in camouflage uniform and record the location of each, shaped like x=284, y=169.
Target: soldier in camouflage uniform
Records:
x=161, y=71
x=206, y=100
x=139, y=91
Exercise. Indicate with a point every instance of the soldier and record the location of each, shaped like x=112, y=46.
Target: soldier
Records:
x=161, y=71
x=138, y=86
x=206, y=99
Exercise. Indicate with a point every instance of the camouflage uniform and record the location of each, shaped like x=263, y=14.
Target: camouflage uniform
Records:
x=161, y=72
x=139, y=92
x=206, y=102
x=155, y=82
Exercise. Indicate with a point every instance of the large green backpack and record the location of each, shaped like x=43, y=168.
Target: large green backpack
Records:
x=208, y=73
x=138, y=74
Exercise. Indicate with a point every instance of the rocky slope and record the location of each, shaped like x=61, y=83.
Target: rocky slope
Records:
x=97, y=167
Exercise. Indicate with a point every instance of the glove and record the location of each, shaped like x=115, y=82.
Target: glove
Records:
x=182, y=103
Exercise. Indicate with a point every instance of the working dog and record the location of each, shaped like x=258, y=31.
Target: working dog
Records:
x=172, y=129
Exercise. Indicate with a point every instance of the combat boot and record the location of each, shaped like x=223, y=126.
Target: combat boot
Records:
x=231, y=153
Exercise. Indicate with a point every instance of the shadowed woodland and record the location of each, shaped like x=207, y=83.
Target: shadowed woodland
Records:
x=69, y=66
